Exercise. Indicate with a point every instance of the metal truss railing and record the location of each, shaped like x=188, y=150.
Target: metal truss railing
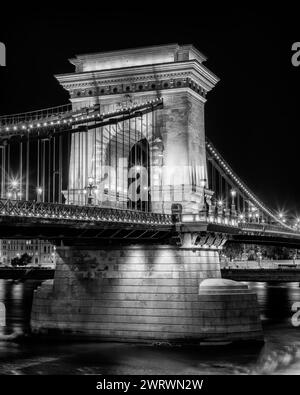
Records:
x=74, y=213
x=206, y=218
x=54, y=211
x=232, y=221
x=267, y=228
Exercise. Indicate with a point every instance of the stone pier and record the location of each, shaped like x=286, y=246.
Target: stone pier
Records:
x=144, y=293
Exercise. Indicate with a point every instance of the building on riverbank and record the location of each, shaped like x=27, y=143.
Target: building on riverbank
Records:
x=43, y=253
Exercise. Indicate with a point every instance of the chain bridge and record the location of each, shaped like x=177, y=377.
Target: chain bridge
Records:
x=138, y=201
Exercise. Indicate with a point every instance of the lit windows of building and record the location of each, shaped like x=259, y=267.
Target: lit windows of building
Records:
x=42, y=252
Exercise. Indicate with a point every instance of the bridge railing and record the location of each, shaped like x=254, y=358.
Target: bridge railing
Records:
x=263, y=264
x=266, y=227
x=57, y=211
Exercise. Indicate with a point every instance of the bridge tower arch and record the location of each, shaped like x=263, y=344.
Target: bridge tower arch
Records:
x=176, y=74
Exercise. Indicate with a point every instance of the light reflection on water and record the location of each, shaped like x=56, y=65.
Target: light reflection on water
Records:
x=279, y=355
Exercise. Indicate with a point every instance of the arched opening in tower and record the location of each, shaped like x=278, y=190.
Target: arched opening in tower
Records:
x=139, y=197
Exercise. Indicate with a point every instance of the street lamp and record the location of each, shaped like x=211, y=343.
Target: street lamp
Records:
x=90, y=188
x=203, y=183
x=233, y=195
x=14, y=190
x=39, y=192
x=203, y=210
x=220, y=208
x=281, y=216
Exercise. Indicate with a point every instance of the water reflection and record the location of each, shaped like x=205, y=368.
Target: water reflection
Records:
x=17, y=297
x=280, y=354
x=275, y=300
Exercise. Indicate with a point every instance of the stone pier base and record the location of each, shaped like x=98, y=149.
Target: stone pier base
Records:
x=144, y=293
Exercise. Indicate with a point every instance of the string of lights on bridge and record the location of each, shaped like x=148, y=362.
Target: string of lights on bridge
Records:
x=90, y=114
x=71, y=117
x=280, y=217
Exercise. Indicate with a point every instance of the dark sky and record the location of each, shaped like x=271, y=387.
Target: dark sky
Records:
x=252, y=116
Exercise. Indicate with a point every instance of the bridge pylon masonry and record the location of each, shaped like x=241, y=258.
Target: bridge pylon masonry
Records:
x=169, y=291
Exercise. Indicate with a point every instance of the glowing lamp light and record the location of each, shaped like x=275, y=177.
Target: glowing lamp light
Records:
x=39, y=190
x=233, y=193
x=14, y=183
x=220, y=203
x=90, y=180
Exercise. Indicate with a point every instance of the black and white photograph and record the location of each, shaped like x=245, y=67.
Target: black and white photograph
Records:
x=149, y=194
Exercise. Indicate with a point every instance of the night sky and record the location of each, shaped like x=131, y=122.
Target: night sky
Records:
x=253, y=114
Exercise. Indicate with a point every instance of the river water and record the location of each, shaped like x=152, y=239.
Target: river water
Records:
x=279, y=355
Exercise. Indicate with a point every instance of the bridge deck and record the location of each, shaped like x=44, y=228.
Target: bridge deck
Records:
x=51, y=221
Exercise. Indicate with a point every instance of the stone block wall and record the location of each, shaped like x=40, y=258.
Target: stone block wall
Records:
x=140, y=293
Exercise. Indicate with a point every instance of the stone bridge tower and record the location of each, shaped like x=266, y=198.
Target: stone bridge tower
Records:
x=138, y=290
x=177, y=155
